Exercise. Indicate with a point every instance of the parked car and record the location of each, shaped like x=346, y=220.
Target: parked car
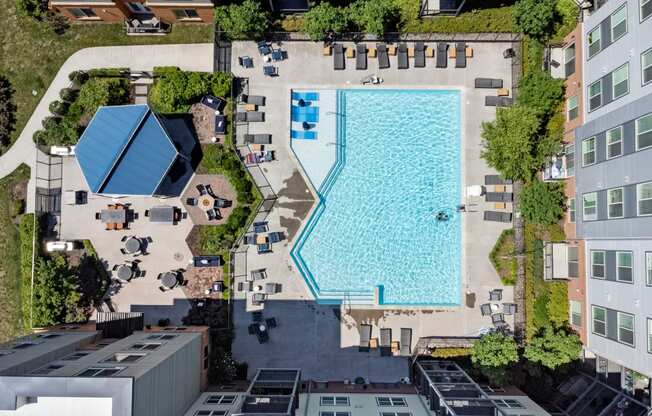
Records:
x=62, y=150
x=52, y=246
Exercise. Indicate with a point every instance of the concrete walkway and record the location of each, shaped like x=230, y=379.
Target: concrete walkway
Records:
x=192, y=57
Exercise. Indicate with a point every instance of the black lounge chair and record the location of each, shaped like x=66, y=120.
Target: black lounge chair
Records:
x=253, y=99
x=385, y=342
x=383, y=57
x=494, y=101
x=250, y=116
x=191, y=201
x=361, y=56
x=485, y=309
x=365, y=337
x=488, y=83
x=402, y=56
x=338, y=57
x=509, y=308
x=221, y=202
x=258, y=138
x=210, y=214
x=496, y=180
x=460, y=55
x=496, y=295
x=419, y=55
x=406, y=341
x=499, y=197
x=442, y=55
x=498, y=216
x=275, y=237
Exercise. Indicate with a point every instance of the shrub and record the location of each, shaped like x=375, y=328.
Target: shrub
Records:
x=493, y=353
x=98, y=92
x=535, y=17
x=242, y=21
x=59, y=108
x=68, y=94
x=32, y=8
x=558, y=303
x=175, y=90
x=78, y=77
x=374, y=16
x=108, y=72
x=26, y=234
x=221, y=84
x=451, y=352
x=503, y=259
x=541, y=93
x=57, y=23
x=7, y=111
x=553, y=348
x=542, y=202
x=324, y=18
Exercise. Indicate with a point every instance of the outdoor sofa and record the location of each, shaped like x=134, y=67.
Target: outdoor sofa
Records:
x=402, y=56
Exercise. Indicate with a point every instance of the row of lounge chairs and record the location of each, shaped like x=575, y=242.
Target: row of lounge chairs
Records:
x=498, y=216
x=385, y=340
x=420, y=51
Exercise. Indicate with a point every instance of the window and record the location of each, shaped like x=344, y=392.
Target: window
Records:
x=47, y=369
x=162, y=336
x=573, y=261
x=615, y=203
x=490, y=389
x=124, y=357
x=334, y=401
x=595, y=41
x=137, y=7
x=588, y=151
x=509, y=403
x=576, y=313
x=626, y=328
x=571, y=210
x=598, y=264
x=648, y=268
x=624, y=266
x=100, y=371
x=569, y=60
x=589, y=207
x=572, y=110
x=595, y=95
x=82, y=13
x=185, y=14
x=615, y=142
x=75, y=356
x=644, y=198
x=391, y=401
x=570, y=159
x=618, y=23
x=620, y=81
x=644, y=132
x=220, y=399
x=331, y=413
x=599, y=320
x=646, y=9
x=145, y=346
x=646, y=64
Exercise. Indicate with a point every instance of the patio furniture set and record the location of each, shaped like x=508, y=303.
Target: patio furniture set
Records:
x=499, y=197
x=262, y=238
x=260, y=327
x=117, y=217
x=217, y=105
x=269, y=54
x=418, y=52
x=170, y=280
x=250, y=104
x=501, y=99
x=208, y=202
x=387, y=346
x=493, y=309
x=126, y=271
x=259, y=291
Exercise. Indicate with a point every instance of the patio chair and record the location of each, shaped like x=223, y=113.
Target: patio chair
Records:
x=263, y=48
x=251, y=329
x=460, y=55
x=488, y=83
x=498, y=318
x=123, y=251
x=338, y=57
x=270, y=70
x=402, y=56
x=217, y=213
x=406, y=341
x=258, y=138
x=257, y=316
x=275, y=237
x=220, y=203
x=210, y=215
x=499, y=197
x=191, y=201
x=201, y=189
x=162, y=288
x=419, y=54
x=442, y=55
x=147, y=213
x=258, y=274
x=496, y=180
x=485, y=309
x=278, y=55
x=365, y=337
x=258, y=298
x=361, y=56
x=260, y=227
x=271, y=322
x=496, y=295
x=209, y=190
x=98, y=216
x=497, y=216
x=264, y=248
x=115, y=267
x=385, y=342
x=246, y=61
x=495, y=101
x=509, y=308
x=253, y=99
x=271, y=288
x=250, y=239
x=383, y=57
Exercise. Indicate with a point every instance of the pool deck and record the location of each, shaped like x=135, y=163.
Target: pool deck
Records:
x=306, y=68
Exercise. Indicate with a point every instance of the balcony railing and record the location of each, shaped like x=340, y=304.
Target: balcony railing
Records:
x=556, y=169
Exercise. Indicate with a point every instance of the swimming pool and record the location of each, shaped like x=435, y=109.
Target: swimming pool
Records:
x=397, y=166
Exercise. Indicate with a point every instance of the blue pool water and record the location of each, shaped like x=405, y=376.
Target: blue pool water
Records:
x=398, y=166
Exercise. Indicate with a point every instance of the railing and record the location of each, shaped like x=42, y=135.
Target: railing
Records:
x=426, y=11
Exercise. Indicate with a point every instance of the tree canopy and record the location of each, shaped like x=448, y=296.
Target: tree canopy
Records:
x=7, y=111
x=55, y=292
x=242, y=21
x=374, y=16
x=553, y=348
x=535, y=18
x=541, y=92
x=542, y=202
x=323, y=18
x=493, y=353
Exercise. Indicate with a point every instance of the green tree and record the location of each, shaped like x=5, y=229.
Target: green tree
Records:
x=542, y=202
x=52, y=285
x=374, y=16
x=97, y=92
x=541, y=93
x=510, y=142
x=242, y=21
x=535, y=18
x=553, y=348
x=493, y=353
x=7, y=111
x=323, y=18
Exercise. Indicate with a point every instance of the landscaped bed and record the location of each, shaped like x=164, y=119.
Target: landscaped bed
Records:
x=503, y=259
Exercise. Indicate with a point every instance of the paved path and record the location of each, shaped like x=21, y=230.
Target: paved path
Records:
x=194, y=57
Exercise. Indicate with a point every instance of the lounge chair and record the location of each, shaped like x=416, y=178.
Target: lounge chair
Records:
x=338, y=57
x=509, y=308
x=496, y=180
x=485, y=309
x=275, y=237
x=385, y=342
x=442, y=55
x=402, y=56
x=361, y=56
x=253, y=99
x=258, y=138
x=488, y=83
x=498, y=318
x=498, y=216
x=406, y=341
x=419, y=54
x=496, y=295
x=499, y=197
x=383, y=57
x=495, y=101
x=460, y=55
x=250, y=116
x=220, y=124
x=260, y=227
x=365, y=337
x=278, y=55
x=210, y=215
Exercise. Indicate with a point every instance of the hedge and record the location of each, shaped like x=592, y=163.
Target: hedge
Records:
x=26, y=233
x=451, y=352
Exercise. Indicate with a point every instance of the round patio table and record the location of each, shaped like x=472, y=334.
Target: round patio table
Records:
x=262, y=328
x=169, y=280
x=125, y=272
x=205, y=201
x=132, y=245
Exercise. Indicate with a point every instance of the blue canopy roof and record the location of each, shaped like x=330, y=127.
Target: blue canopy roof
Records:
x=125, y=150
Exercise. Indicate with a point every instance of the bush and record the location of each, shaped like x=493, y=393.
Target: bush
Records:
x=219, y=238
x=57, y=23
x=32, y=8
x=219, y=159
x=69, y=95
x=26, y=234
x=553, y=348
x=175, y=90
x=541, y=93
x=374, y=16
x=535, y=18
x=7, y=111
x=451, y=352
x=558, y=303
x=242, y=21
x=78, y=77
x=542, y=202
x=59, y=108
x=493, y=354
x=322, y=19
x=108, y=72
x=98, y=92
x=221, y=84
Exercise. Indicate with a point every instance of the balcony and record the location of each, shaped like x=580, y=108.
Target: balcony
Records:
x=557, y=169
x=146, y=27
x=560, y=261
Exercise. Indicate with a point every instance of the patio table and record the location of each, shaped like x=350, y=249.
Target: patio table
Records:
x=115, y=216
x=205, y=201
x=125, y=272
x=261, y=239
x=161, y=214
x=169, y=280
x=132, y=245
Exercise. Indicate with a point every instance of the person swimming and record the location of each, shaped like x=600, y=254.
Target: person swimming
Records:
x=442, y=216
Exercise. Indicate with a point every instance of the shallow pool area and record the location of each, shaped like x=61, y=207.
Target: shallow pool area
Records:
x=397, y=166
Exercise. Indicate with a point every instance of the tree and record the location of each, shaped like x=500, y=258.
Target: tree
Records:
x=7, y=111
x=324, y=18
x=553, y=348
x=541, y=92
x=542, y=202
x=242, y=21
x=374, y=16
x=510, y=142
x=97, y=92
x=535, y=18
x=493, y=353
x=54, y=282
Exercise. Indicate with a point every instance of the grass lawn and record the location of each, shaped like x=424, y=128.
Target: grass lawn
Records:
x=32, y=54
x=12, y=322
